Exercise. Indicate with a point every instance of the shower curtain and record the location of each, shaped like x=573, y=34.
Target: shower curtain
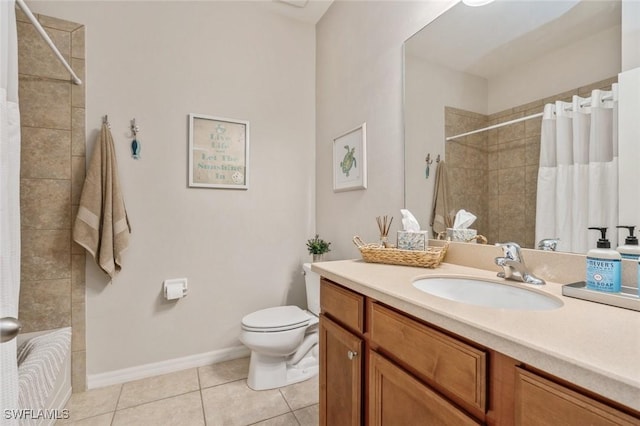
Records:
x=578, y=174
x=9, y=201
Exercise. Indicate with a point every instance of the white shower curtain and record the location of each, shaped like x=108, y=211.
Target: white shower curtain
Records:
x=578, y=175
x=9, y=201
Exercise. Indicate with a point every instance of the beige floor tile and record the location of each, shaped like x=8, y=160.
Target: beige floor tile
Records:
x=223, y=372
x=101, y=420
x=235, y=404
x=154, y=388
x=183, y=410
x=284, y=420
x=301, y=394
x=309, y=416
x=92, y=403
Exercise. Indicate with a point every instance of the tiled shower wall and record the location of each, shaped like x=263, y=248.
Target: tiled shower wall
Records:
x=503, y=195
x=52, y=115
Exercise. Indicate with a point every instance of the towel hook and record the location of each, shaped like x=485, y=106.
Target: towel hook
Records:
x=135, y=143
x=438, y=159
x=105, y=120
x=429, y=161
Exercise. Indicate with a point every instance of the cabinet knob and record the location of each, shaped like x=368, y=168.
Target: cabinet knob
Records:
x=352, y=354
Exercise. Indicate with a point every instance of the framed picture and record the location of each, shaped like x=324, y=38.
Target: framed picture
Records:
x=218, y=152
x=350, y=160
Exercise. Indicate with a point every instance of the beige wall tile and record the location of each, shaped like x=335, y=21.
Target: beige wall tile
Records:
x=45, y=153
x=77, y=179
x=78, y=278
x=77, y=43
x=20, y=16
x=78, y=140
x=36, y=58
x=78, y=327
x=512, y=154
x=511, y=181
x=511, y=132
x=46, y=255
x=45, y=304
x=532, y=127
x=78, y=91
x=45, y=103
x=44, y=203
x=57, y=24
x=79, y=371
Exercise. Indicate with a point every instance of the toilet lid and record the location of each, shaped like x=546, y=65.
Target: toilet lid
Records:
x=276, y=318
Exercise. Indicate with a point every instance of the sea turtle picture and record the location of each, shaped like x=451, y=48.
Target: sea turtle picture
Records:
x=349, y=160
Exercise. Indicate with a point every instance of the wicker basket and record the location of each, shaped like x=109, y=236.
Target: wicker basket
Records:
x=374, y=253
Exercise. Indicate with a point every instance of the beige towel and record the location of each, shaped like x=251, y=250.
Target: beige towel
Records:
x=102, y=226
x=442, y=215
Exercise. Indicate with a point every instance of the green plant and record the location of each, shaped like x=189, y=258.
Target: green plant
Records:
x=317, y=245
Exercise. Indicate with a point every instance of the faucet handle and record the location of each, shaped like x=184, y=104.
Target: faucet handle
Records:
x=548, y=244
x=511, y=250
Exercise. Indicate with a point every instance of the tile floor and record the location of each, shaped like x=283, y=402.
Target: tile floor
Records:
x=213, y=395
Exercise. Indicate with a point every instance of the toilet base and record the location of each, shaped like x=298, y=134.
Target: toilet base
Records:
x=268, y=372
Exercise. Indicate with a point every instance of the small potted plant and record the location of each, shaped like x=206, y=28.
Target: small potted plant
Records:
x=318, y=247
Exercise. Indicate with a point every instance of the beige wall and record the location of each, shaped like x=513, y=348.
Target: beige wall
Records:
x=358, y=79
x=52, y=111
x=240, y=250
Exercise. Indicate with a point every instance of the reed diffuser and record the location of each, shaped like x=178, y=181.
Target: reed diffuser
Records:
x=384, y=224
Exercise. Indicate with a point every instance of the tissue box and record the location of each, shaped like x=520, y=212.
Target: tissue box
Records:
x=463, y=235
x=416, y=240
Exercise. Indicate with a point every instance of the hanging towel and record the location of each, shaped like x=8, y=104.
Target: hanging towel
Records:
x=441, y=215
x=102, y=226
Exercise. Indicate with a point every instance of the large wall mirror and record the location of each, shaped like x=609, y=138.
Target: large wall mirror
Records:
x=475, y=67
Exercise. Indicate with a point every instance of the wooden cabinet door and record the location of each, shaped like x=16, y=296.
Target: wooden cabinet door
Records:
x=397, y=398
x=541, y=402
x=340, y=375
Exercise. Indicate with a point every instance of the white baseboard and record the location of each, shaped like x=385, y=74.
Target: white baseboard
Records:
x=163, y=367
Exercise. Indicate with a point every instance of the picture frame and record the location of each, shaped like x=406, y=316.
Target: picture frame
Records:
x=350, y=160
x=218, y=152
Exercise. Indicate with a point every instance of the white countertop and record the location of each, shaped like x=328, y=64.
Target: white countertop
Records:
x=592, y=345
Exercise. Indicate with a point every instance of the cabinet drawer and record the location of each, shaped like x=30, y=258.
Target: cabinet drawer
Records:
x=342, y=305
x=458, y=369
x=542, y=402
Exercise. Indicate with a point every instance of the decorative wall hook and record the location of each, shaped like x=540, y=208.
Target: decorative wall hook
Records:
x=105, y=120
x=438, y=159
x=135, y=143
x=429, y=161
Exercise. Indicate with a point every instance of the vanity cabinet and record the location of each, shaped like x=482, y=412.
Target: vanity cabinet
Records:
x=542, y=402
x=380, y=366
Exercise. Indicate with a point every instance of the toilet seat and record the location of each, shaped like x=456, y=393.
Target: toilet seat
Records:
x=280, y=318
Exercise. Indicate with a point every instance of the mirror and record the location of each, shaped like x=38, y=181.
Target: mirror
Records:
x=473, y=67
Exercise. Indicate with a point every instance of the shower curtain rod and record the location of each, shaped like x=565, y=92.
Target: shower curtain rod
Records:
x=48, y=40
x=517, y=120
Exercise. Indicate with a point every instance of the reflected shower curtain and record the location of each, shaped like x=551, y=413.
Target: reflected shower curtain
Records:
x=9, y=201
x=578, y=174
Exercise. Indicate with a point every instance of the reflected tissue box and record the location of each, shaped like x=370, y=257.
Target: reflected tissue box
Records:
x=463, y=235
x=412, y=240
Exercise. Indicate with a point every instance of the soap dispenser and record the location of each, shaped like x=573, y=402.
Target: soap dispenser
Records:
x=604, y=269
x=630, y=249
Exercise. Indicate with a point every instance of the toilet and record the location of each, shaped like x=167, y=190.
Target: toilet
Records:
x=284, y=340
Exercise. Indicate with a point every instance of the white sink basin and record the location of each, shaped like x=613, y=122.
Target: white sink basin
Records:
x=487, y=293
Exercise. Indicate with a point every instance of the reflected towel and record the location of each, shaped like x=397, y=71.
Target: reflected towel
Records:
x=442, y=215
x=102, y=226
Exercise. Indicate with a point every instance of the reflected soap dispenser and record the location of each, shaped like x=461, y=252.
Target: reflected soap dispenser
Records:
x=604, y=266
x=630, y=249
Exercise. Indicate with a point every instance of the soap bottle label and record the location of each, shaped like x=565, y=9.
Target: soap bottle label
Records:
x=603, y=275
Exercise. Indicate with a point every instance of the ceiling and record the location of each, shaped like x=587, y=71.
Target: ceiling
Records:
x=486, y=40
x=309, y=11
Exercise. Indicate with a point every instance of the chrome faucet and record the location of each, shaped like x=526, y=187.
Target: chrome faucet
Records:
x=513, y=265
x=548, y=244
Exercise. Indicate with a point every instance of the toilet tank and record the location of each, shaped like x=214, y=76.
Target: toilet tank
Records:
x=312, y=282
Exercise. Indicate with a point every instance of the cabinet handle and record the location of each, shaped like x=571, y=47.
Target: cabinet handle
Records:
x=352, y=354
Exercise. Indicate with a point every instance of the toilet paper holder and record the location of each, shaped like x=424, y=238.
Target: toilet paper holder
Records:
x=175, y=288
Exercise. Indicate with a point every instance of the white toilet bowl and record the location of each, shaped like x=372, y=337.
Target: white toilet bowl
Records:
x=283, y=341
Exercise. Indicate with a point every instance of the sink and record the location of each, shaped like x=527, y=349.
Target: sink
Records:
x=486, y=293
